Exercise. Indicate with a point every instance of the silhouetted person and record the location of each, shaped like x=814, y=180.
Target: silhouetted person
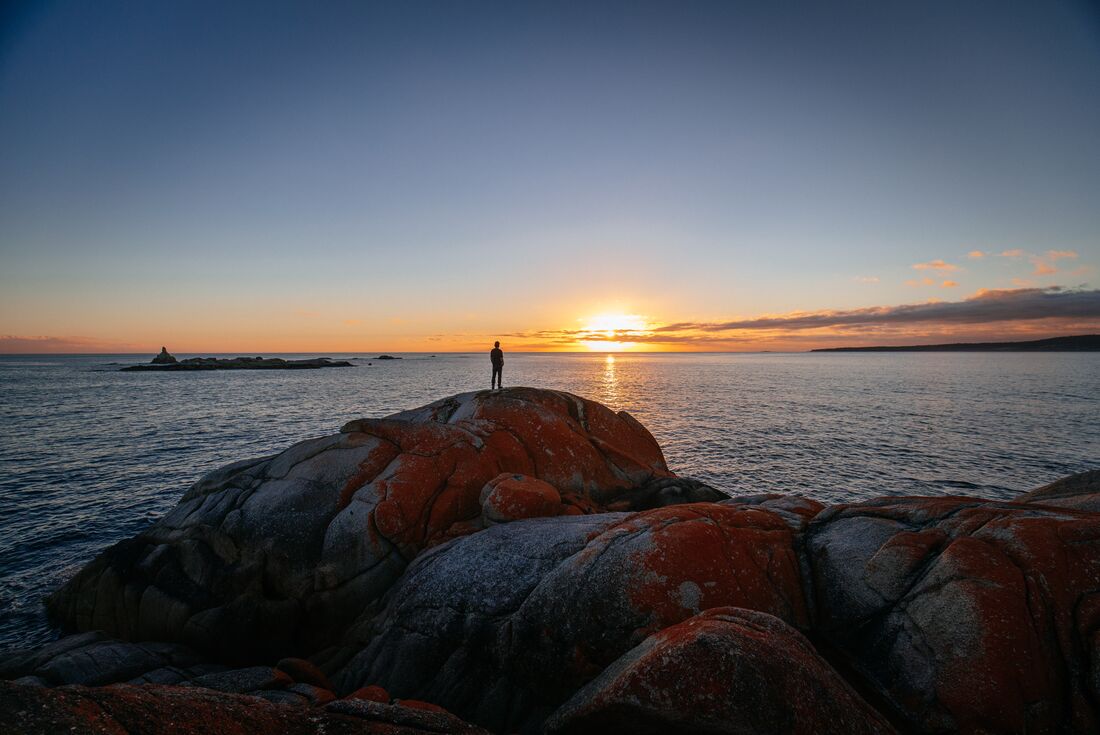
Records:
x=496, y=356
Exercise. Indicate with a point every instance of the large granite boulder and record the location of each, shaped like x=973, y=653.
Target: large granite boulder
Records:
x=965, y=615
x=726, y=670
x=503, y=626
x=275, y=556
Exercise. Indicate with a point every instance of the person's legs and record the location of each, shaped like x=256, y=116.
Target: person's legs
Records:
x=496, y=381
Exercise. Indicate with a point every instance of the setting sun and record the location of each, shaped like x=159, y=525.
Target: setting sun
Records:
x=602, y=333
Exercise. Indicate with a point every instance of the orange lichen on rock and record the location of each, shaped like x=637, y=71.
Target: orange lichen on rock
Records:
x=948, y=603
x=512, y=497
x=370, y=694
x=725, y=670
x=701, y=556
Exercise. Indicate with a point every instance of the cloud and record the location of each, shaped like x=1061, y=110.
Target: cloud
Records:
x=949, y=284
x=983, y=307
x=12, y=344
x=988, y=314
x=1044, y=264
x=1043, y=268
x=935, y=265
x=866, y=279
x=918, y=282
x=1015, y=253
x=975, y=254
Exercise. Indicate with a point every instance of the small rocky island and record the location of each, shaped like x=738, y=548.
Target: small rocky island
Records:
x=165, y=362
x=524, y=561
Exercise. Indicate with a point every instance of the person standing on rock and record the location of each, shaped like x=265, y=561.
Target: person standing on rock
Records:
x=496, y=356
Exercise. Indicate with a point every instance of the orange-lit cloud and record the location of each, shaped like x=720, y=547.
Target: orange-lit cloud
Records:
x=975, y=254
x=11, y=344
x=949, y=284
x=1014, y=253
x=936, y=265
x=988, y=314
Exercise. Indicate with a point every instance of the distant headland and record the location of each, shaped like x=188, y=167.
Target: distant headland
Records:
x=1078, y=343
x=165, y=362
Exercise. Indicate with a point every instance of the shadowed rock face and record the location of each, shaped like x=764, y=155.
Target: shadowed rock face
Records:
x=276, y=556
x=750, y=673
x=967, y=615
x=1080, y=491
x=503, y=626
x=143, y=710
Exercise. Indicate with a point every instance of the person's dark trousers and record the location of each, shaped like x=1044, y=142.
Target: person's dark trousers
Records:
x=497, y=380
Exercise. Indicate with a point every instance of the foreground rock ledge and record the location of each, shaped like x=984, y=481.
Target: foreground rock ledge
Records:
x=277, y=556
x=525, y=561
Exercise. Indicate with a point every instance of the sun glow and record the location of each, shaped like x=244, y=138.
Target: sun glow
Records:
x=606, y=332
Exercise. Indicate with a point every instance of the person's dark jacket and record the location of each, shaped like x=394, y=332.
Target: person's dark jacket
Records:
x=497, y=356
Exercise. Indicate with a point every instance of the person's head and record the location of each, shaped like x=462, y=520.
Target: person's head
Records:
x=496, y=344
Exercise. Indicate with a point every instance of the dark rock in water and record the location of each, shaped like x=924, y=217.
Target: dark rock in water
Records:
x=236, y=363
x=503, y=626
x=966, y=615
x=145, y=710
x=726, y=670
x=387, y=357
x=277, y=556
x=164, y=358
x=1080, y=491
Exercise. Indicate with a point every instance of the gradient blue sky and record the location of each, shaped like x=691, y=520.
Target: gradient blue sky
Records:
x=351, y=175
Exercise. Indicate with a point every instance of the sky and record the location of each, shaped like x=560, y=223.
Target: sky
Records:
x=431, y=176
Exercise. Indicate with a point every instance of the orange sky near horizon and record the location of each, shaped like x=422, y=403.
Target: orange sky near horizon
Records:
x=986, y=315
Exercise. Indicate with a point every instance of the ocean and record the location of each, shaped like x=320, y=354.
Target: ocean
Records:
x=90, y=455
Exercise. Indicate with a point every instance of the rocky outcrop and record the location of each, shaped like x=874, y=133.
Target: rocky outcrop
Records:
x=277, y=556
x=145, y=710
x=965, y=615
x=166, y=363
x=726, y=670
x=525, y=560
x=1080, y=491
x=163, y=358
x=503, y=626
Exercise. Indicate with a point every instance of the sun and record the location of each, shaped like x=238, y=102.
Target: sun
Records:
x=601, y=333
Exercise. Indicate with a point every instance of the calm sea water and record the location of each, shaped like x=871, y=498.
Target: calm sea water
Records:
x=89, y=455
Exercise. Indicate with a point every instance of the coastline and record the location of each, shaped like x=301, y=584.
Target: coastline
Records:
x=610, y=540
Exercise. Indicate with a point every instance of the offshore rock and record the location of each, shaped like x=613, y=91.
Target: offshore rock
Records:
x=726, y=670
x=503, y=626
x=274, y=557
x=164, y=358
x=167, y=363
x=966, y=615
